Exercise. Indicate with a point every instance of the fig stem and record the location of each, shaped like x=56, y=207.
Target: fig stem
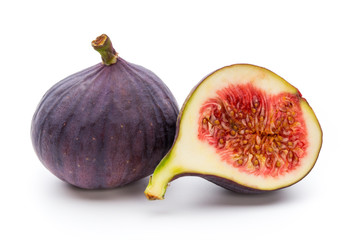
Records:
x=103, y=45
x=153, y=192
x=162, y=175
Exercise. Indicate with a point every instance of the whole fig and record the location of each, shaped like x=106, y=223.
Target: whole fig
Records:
x=105, y=126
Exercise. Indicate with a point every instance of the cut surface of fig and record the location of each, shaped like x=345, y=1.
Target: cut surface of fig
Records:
x=244, y=128
x=255, y=132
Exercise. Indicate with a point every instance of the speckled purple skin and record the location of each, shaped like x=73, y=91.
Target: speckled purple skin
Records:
x=105, y=126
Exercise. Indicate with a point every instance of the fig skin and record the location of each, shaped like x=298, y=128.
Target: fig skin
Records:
x=222, y=182
x=105, y=126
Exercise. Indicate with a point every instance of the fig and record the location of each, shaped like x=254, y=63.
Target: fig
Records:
x=243, y=128
x=105, y=126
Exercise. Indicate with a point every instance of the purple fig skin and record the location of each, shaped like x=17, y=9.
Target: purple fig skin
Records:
x=105, y=126
x=232, y=186
x=224, y=183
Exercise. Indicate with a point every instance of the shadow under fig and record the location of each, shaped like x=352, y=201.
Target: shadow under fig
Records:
x=206, y=194
x=132, y=191
x=201, y=194
x=223, y=197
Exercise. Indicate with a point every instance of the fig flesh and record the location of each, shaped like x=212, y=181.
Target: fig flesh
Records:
x=244, y=128
x=105, y=126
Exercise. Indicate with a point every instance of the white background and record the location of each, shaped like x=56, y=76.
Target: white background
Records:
x=315, y=45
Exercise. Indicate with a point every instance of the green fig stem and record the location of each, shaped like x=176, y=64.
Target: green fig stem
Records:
x=103, y=45
x=153, y=191
x=160, y=179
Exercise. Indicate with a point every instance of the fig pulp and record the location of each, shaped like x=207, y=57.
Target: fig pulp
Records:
x=244, y=128
x=107, y=125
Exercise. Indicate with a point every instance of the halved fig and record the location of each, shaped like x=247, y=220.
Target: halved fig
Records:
x=244, y=128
